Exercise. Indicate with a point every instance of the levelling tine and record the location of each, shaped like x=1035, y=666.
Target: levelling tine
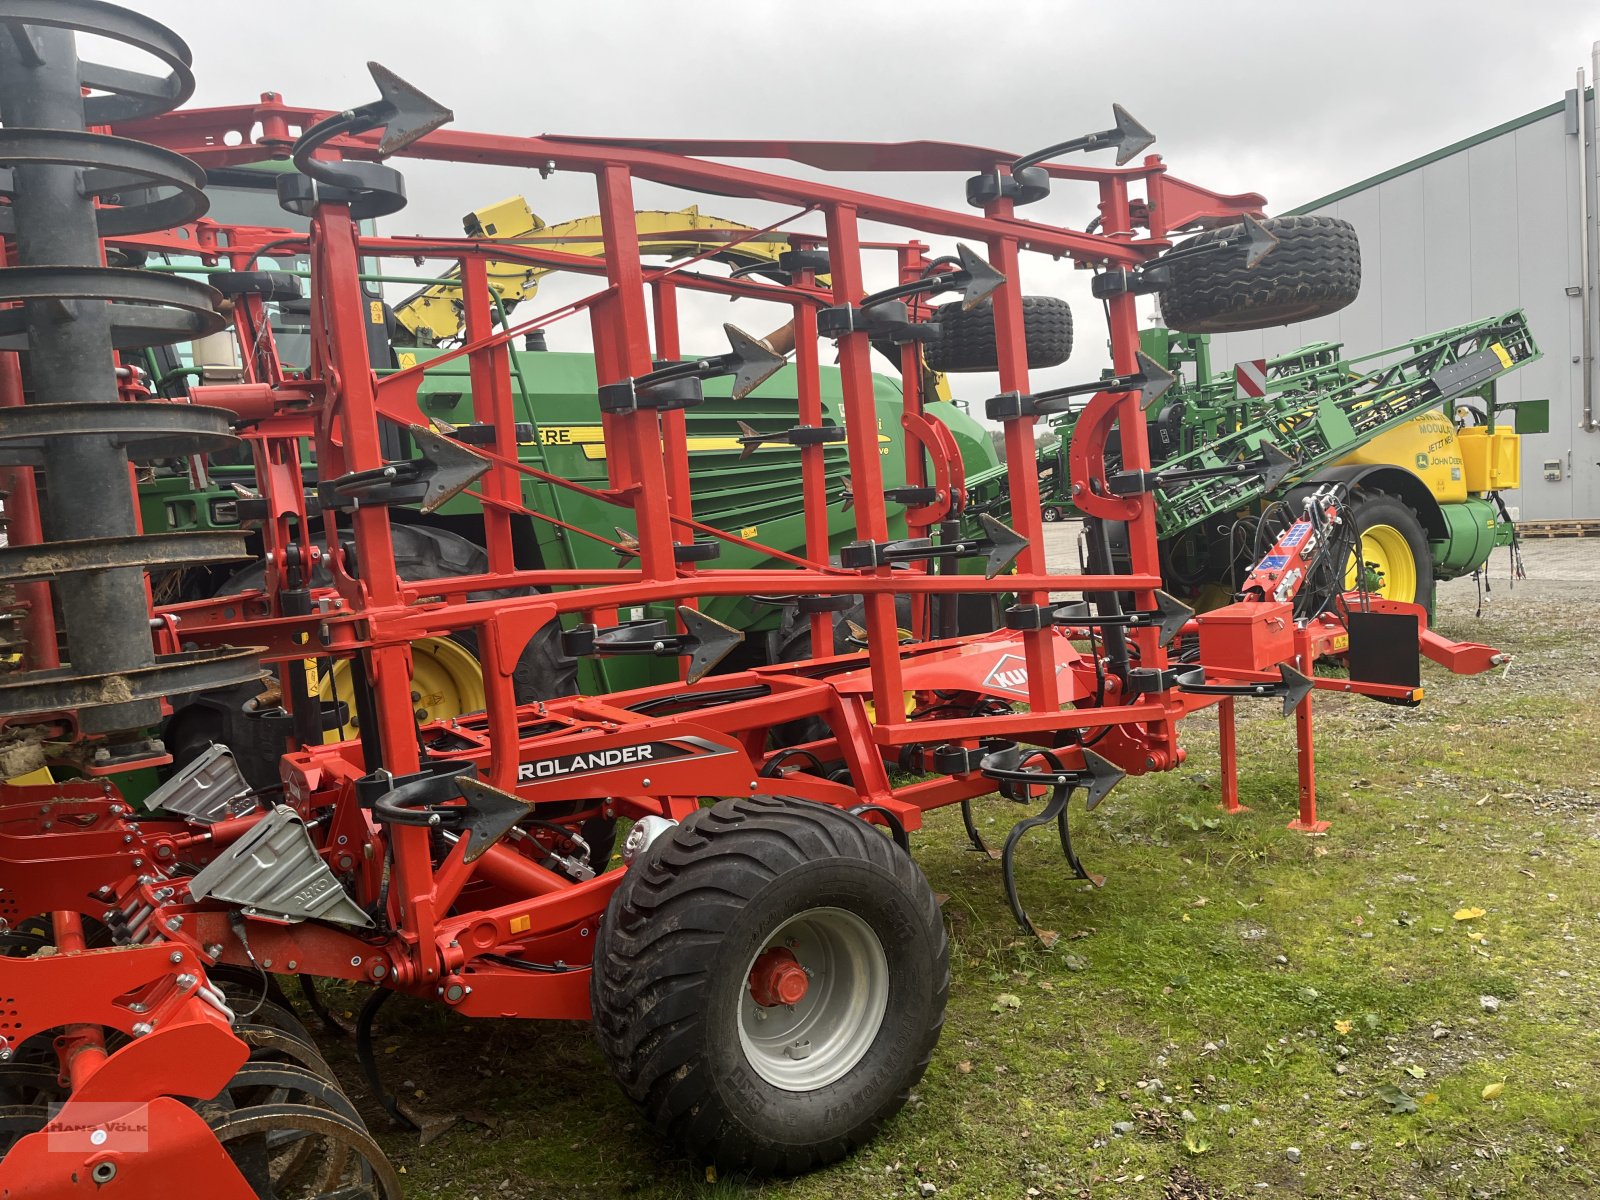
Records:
x=973, y=836
x=1071, y=854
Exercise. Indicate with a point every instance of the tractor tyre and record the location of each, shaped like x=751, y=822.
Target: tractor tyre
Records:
x=1394, y=546
x=769, y=983
x=1314, y=270
x=966, y=337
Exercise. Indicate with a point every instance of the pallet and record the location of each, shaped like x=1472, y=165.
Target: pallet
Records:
x=1559, y=529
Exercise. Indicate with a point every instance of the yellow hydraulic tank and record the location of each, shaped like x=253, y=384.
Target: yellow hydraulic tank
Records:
x=1493, y=460
x=1428, y=446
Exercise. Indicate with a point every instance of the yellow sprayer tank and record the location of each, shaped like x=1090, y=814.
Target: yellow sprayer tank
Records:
x=1428, y=447
x=1451, y=462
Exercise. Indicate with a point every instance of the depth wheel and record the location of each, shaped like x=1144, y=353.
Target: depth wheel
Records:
x=769, y=983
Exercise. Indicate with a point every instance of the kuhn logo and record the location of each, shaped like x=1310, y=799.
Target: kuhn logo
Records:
x=1009, y=674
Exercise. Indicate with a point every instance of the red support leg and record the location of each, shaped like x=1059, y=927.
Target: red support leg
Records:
x=1307, y=821
x=1229, y=747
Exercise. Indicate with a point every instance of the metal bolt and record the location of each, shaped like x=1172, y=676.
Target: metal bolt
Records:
x=175, y=923
x=292, y=964
x=214, y=950
x=186, y=981
x=175, y=957
x=138, y=862
x=163, y=851
x=141, y=1028
x=355, y=960
x=644, y=782
x=266, y=964
x=378, y=970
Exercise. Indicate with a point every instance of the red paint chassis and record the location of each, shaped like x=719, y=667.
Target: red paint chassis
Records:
x=458, y=913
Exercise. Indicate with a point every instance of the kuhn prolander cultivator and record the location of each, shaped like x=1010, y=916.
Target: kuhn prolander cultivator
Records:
x=765, y=968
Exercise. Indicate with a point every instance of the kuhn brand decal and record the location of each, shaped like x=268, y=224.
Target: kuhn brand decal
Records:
x=615, y=758
x=1010, y=674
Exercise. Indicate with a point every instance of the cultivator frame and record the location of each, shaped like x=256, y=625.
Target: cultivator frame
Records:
x=443, y=860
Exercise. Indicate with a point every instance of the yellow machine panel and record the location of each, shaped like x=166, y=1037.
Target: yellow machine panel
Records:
x=1427, y=445
x=1493, y=460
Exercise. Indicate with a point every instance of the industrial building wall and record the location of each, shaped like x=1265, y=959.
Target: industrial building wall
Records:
x=1490, y=226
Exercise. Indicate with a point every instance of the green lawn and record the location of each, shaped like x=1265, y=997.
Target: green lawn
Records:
x=1257, y=1012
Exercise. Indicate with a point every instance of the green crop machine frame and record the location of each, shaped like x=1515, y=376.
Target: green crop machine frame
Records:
x=1416, y=430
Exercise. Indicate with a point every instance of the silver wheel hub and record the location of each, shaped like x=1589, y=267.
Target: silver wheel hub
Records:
x=838, y=1004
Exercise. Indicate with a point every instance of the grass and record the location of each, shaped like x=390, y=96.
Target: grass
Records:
x=1234, y=991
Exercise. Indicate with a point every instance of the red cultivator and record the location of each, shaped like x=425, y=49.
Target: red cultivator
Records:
x=766, y=975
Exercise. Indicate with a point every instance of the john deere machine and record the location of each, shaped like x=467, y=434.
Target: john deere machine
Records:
x=1415, y=432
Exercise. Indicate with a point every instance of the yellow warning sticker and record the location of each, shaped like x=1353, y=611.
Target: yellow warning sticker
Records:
x=750, y=532
x=375, y=311
x=407, y=361
x=521, y=924
x=1500, y=353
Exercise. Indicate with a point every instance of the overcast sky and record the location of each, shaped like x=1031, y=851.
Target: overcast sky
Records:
x=1290, y=100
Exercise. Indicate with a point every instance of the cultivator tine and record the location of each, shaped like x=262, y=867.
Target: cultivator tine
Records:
x=1259, y=242
x=490, y=815
x=1054, y=809
x=1126, y=134
x=1004, y=544
x=451, y=467
x=751, y=361
x=710, y=641
x=1275, y=466
x=1296, y=687
x=405, y=112
x=369, y=1062
x=750, y=439
x=982, y=279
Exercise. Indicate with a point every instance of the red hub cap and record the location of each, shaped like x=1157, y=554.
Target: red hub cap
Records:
x=778, y=978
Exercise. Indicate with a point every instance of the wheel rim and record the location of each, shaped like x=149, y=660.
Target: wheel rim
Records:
x=815, y=1041
x=1051, y=514
x=1386, y=555
x=446, y=681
